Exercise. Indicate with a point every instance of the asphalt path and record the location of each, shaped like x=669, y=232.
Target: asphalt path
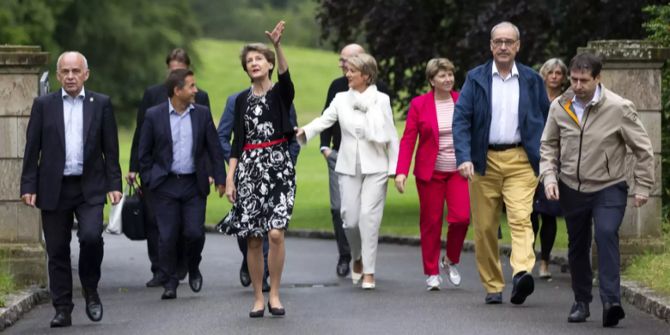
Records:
x=318, y=302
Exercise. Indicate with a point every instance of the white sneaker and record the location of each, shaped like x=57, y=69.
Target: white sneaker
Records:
x=454, y=275
x=433, y=283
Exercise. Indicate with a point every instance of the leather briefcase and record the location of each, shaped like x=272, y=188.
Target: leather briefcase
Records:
x=132, y=215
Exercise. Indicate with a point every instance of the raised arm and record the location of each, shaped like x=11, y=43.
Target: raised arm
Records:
x=275, y=38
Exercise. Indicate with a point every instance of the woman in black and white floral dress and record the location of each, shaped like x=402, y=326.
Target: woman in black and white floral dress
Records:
x=261, y=180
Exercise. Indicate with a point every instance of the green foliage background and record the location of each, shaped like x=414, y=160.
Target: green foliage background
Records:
x=124, y=40
x=658, y=28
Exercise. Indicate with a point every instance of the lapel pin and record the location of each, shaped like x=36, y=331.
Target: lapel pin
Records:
x=91, y=99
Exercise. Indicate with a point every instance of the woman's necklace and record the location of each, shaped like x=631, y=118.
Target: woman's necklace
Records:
x=263, y=91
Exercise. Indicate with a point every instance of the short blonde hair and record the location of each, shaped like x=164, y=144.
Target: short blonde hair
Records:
x=436, y=64
x=366, y=64
x=260, y=48
x=550, y=65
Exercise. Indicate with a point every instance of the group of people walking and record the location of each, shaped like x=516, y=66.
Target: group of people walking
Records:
x=510, y=137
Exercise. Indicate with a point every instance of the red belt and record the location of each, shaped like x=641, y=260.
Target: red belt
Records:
x=252, y=146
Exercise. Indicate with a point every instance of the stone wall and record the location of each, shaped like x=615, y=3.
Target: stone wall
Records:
x=20, y=226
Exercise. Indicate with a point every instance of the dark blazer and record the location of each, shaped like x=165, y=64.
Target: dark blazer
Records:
x=155, y=148
x=153, y=96
x=44, y=156
x=472, y=117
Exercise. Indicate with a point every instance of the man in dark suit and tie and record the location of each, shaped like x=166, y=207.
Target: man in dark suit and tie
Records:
x=71, y=162
x=154, y=95
x=177, y=139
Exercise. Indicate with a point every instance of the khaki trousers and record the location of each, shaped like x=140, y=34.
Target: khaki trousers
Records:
x=509, y=178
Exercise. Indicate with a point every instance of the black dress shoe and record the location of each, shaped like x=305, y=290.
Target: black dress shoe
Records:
x=169, y=293
x=342, y=268
x=494, y=298
x=266, y=285
x=155, y=281
x=524, y=285
x=245, y=279
x=93, y=305
x=612, y=313
x=257, y=314
x=61, y=319
x=195, y=281
x=579, y=312
x=279, y=311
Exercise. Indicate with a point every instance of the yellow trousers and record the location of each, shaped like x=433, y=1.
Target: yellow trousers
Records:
x=509, y=178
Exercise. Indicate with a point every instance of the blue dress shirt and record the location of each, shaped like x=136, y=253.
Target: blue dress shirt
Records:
x=182, y=141
x=73, y=118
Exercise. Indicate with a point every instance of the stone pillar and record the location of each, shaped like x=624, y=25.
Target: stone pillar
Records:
x=632, y=69
x=21, y=245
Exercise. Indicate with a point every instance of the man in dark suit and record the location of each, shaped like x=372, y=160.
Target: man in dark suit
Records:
x=225, y=131
x=333, y=135
x=177, y=139
x=71, y=161
x=154, y=95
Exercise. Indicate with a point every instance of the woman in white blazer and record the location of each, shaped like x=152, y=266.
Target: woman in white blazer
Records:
x=367, y=157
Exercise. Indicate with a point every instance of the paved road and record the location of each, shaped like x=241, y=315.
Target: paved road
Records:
x=318, y=302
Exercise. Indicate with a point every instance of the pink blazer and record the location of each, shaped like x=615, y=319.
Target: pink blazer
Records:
x=421, y=121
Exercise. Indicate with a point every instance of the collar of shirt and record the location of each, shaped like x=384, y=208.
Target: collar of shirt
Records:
x=495, y=72
x=594, y=100
x=174, y=111
x=81, y=94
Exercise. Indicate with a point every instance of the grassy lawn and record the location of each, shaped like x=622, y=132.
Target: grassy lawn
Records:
x=653, y=270
x=220, y=74
x=6, y=283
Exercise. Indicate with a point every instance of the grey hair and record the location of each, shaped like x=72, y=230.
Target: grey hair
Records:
x=551, y=64
x=73, y=52
x=506, y=24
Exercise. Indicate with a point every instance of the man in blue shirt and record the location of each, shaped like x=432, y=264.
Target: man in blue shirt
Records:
x=497, y=126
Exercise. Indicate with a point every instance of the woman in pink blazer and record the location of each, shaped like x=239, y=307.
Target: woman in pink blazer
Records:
x=437, y=177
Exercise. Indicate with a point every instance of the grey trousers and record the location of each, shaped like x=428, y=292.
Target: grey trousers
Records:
x=334, y=187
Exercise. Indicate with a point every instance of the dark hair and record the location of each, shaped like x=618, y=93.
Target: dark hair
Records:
x=260, y=48
x=179, y=55
x=586, y=62
x=176, y=78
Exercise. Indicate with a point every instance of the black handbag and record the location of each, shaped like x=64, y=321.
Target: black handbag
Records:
x=132, y=215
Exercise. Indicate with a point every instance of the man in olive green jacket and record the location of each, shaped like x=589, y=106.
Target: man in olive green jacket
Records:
x=583, y=156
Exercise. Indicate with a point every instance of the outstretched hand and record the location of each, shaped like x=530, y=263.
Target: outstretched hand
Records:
x=275, y=35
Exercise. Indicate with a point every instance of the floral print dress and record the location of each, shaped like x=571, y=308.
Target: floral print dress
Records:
x=265, y=178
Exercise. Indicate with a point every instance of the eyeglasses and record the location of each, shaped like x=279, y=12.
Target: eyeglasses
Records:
x=500, y=42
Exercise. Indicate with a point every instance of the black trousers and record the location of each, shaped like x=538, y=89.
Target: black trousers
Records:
x=180, y=211
x=151, y=229
x=242, y=244
x=604, y=211
x=57, y=227
x=547, y=233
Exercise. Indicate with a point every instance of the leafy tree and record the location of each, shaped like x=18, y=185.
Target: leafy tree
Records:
x=404, y=34
x=124, y=40
x=126, y=49
x=29, y=21
x=658, y=28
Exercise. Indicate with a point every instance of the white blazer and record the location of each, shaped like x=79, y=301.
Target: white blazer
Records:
x=366, y=122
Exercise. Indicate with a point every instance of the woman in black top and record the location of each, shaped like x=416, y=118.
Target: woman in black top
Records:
x=261, y=180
